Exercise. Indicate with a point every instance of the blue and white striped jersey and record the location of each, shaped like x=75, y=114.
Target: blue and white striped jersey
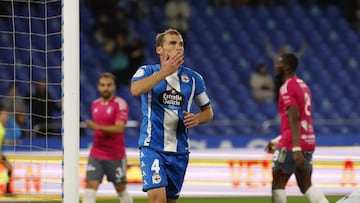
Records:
x=162, y=125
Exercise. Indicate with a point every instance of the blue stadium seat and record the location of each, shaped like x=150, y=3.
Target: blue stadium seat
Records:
x=206, y=38
x=22, y=41
x=204, y=130
x=23, y=73
x=252, y=53
x=269, y=109
x=54, y=59
x=324, y=25
x=259, y=39
x=244, y=130
x=342, y=26
x=324, y=52
x=279, y=13
x=22, y=56
x=199, y=4
x=319, y=129
x=336, y=92
x=279, y=37
x=219, y=114
x=317, y=92
x=297, y=12
x=218, y=31
x=328, y=108
x=297, y=38
x=6, y=24
x=54, y=74
x=38, y=59
x=21, y=10
x=352, y=92
x=249, y=107
x=197, y=26
x=6, y=56
x=307, y=26
x=315, y=114
x=332, y=12
x=226, y=13
x=242, y=39
x=261, y=13
x=341, y=51
x=38, y=42
x=315, y=38
x=333, y=114
x=351, y=38
x=87, y=21
x=259, y=118
x=344, y=107
x=5, y=74
x=252, y=25
x=233, y=52
x=243, y=13
x=158, y=14
x=54, y=25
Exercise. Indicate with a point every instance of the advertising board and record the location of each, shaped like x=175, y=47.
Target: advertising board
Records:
x=234, y=172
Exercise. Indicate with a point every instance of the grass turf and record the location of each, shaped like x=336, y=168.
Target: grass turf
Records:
x=292, y=199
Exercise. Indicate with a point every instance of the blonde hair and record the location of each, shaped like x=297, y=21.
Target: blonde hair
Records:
x=160, y=36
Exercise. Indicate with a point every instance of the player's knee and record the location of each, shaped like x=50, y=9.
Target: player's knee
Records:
x=304, y=187
x=120, y=188
x=92, y=185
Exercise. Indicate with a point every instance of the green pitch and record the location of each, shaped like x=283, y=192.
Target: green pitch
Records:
x=300, y=199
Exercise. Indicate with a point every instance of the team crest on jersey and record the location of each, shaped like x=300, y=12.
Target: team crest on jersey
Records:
x=140, y=72
x=172, y=98
x=185, y=78
x=156, y=178
x=108, y=110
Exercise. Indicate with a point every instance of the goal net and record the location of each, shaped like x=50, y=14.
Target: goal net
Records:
x=36, y=87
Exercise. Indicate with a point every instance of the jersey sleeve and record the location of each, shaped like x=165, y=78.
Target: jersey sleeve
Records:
x=142, y=72
x=201, y=97
x=122, y=112
x=288, y=94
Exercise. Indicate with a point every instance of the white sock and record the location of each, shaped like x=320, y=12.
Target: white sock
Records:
x=125, y=197
x=278, y=196
x=315, y=195
x=351, y=198
x=89, y=196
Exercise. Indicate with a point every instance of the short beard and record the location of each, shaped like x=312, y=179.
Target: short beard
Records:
x=279, y=77
x=278, y=82
x=106, y=95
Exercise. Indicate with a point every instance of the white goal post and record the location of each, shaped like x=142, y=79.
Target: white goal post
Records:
x=71, y=99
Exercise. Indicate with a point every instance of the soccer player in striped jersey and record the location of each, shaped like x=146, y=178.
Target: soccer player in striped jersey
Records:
x=107, y=155
x=167, y=92
x=295, y=148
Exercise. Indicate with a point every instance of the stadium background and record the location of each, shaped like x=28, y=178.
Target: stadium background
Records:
x=225, y=45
